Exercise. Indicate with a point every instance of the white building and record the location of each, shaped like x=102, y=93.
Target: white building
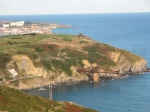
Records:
x=5, y=25
x=37, y=31
x=19, y=23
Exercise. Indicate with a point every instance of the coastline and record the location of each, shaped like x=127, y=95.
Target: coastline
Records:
x=119, y=95
x=55, y=83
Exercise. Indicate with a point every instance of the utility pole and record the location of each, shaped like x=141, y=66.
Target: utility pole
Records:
x=50, y=92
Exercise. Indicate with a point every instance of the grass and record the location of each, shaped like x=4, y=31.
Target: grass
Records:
x=16, y=101
x=97, y=53
x=67, y=39
x=12, y=100
x=18, y=41
x=47, y=48
x=132, y=57
x=66, y=36
x=42, y=36
x=83, y=42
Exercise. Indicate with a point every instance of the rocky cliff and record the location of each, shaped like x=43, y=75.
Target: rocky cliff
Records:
x=62, y=59
x=34, y=77
x=24, y=65
x=126, y=66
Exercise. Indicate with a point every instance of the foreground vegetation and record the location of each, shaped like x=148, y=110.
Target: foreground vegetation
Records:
x=12, y=100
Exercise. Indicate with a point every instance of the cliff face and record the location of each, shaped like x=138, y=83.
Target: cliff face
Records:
x=23, y=64
x=127, y=66
x=139, y=66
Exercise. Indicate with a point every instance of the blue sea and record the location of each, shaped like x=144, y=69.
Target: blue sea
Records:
x=130, y=31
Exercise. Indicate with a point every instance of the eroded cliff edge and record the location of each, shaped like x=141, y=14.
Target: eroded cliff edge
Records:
x=28, y=61
x=128, y=65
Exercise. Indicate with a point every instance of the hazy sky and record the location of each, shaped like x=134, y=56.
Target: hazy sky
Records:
x=15, y=7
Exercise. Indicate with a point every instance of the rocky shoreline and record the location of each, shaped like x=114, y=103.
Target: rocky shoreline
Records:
x=40, y=82
x=55, y=83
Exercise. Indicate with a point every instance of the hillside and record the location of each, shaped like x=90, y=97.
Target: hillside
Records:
x=37, y=60
x=12, y=100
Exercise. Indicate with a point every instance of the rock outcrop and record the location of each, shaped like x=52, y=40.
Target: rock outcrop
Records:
x=139, y=66
x=24, y=65
x=126, y=66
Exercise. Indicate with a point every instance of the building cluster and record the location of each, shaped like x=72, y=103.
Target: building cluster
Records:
x=22, y=27
x=12, y=24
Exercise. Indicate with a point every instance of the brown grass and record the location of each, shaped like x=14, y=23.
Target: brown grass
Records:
x=1, y=98
x=71, y=108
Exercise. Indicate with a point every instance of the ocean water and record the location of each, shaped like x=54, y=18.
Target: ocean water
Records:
x=126, y=31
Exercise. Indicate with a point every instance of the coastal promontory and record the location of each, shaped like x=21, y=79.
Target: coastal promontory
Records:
x=30, y=61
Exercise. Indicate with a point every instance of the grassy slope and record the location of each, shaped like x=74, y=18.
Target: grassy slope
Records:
x=61, y=51
x=16, y=101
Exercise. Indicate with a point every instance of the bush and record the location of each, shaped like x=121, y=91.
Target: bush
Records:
x=62, y=66
x=66, y=39
x=39, y=49
x=34, y=56
x=51, y=47
x=4, y=59
x=1, y=79
x=83, y=42
x=47, y=64
x=19, y=52
x=9, y=42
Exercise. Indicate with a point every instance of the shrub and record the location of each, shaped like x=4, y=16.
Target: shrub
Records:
x=51, y=47
x=47, y=64
x=34, y=56
x=83, y=42
x=4, y=59
x=66, y=39
x=39, y=49
x=62, y=66
x=9, y=42
x=1, y=79
x=19, y=52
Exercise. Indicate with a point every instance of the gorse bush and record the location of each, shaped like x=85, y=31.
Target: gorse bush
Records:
x=83, y=42
x=67, y=39
x=61, y=66
x=11, y=43
x=39, y=49
x=4, y=59
x=47, y=64
x=51, y=47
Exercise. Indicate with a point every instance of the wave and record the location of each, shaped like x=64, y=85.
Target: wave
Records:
x=126, y=76
x=41, y=89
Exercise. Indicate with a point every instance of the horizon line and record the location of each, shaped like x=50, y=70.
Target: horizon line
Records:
x=74, y=13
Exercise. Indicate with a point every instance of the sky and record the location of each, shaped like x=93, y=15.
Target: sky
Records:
x=27, y=7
